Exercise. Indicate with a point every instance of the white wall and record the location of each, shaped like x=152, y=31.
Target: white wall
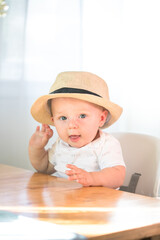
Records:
x=121, y=44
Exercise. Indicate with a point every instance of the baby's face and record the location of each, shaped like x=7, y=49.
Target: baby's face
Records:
x=77, y=121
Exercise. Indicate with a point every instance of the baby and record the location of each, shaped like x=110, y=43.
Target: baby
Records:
x=78, y=106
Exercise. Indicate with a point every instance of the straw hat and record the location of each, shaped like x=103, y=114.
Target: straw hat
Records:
x=80, y=85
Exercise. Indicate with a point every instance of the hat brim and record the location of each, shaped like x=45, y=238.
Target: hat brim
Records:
x=41, y=113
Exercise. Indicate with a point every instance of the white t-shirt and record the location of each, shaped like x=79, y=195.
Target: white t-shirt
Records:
x=102, y=153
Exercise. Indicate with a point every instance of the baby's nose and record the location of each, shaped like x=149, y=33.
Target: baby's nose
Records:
x=73, y=123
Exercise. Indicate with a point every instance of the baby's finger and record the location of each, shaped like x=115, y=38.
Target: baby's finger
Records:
x=69, y=172
x=73, y=177
x=71, y=166
x=49, y=132
x=37, y=128
x=78, y=171
x=46, y=126
x=43, y=128
x=83, y=182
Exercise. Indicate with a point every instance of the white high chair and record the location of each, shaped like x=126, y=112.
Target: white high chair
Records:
x=142, y=158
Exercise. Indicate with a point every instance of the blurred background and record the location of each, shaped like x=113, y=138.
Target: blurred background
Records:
x=119, y=40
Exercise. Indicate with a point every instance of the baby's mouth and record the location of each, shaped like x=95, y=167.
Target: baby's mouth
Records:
x=74, y=138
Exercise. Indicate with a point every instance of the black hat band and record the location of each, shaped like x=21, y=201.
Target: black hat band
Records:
x=73, y=90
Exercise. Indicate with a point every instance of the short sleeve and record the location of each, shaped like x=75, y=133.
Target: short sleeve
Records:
x=111, y=154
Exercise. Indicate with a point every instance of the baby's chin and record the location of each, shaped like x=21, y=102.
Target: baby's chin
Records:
x=76, y=145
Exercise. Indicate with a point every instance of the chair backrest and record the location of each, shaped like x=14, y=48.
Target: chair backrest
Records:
x=141, y=155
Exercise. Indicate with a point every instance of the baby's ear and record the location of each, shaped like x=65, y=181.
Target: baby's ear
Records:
x=104, y=115
x=52, y=119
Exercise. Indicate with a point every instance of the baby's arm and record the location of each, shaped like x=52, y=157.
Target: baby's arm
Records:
x=111, y=177
x=37, y=153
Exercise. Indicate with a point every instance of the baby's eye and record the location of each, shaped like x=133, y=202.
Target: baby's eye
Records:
x=63, y=118
x=82, y=116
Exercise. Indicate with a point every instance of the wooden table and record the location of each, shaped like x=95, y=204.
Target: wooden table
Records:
x=94, y=212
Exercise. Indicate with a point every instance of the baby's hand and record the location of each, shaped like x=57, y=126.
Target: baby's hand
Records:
x=41, y=136
x=80, y=175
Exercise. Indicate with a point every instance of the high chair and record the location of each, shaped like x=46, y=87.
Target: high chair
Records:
x=142, y=158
